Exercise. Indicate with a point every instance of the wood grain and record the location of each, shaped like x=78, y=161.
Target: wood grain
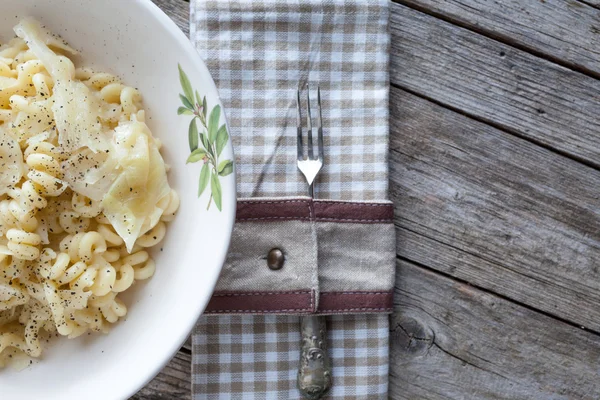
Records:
x=495, y=83
x=452, y=341
x=567, y=32
x=495, y=210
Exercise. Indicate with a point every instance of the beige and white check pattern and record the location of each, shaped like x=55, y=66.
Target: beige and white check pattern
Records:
x=259, y=52
x=256, y=357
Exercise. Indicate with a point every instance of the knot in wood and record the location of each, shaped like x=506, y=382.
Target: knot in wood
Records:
x=411, y=336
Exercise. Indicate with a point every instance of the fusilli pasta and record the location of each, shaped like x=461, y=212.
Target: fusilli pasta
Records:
x=74, y=227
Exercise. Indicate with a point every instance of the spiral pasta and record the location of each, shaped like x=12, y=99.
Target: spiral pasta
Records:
x=23, y=244
x=12, y=216
x=154, y=236
x=143, y=266
x=119, y=101
x=169, y=204
x=66, y=250
x=85, y=206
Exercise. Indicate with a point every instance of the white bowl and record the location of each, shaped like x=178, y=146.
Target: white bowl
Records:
x=137, y=41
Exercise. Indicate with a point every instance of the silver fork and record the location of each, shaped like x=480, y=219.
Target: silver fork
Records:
x=314, y=373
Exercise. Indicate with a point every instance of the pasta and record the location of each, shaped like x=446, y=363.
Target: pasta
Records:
x=83, y=194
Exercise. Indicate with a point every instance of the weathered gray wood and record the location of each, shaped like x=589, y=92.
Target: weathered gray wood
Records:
x=495, y=210
x=509, y=88
x=565, y=31
x=178, y=10
x=452, y=341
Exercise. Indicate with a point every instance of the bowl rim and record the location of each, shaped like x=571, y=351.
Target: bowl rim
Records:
x=172, y=29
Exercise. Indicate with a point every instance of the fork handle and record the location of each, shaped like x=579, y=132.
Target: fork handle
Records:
x=314, y=374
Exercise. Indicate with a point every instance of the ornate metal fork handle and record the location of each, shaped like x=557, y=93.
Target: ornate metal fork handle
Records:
x=314, y=373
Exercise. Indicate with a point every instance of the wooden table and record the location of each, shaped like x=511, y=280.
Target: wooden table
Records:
x=495, y=173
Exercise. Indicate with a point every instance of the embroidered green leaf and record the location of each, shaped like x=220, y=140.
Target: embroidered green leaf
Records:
x=222, y=138
x=213, y=124
x=204, y=107
x=215, y=187
x=186, y=102
x=193, y=135
x=184, y=111
x=204, y=177
x=186, y=85
x=225, y=167
x=196, y=156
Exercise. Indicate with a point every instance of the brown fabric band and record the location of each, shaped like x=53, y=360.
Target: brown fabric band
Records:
x=274, y=210
x=338, y=258
x=317, y=210
x=337, y=211
x=359, y=302
x=302, y=302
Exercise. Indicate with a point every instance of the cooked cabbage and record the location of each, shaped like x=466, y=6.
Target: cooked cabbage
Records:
x=76, y=110
x=141, y=182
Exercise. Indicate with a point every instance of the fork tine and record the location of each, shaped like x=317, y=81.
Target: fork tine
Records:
x=320, y=127
x=299, y=127
x=311, y=165
x=309, y=124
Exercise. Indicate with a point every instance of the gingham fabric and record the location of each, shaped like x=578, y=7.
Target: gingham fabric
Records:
x=259, y=53
x=256, y=357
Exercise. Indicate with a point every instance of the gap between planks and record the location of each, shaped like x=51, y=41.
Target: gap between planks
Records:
x=450, y=340
x=502, y=86
x=488, y=208
x=440, y=10
x=500, y=127
x=592, y=3
x=424, y=267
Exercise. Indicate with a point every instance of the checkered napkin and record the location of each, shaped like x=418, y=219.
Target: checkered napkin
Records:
x=259, y=53
x=256, y=357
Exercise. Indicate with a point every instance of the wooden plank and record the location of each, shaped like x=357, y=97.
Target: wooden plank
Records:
x=452, y=341
x=178, y=10
x=495, y=210
x=565, y=31
x=525, y=95
x=174, y=381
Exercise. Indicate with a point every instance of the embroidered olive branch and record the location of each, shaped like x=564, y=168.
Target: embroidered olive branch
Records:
x=206, y=144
